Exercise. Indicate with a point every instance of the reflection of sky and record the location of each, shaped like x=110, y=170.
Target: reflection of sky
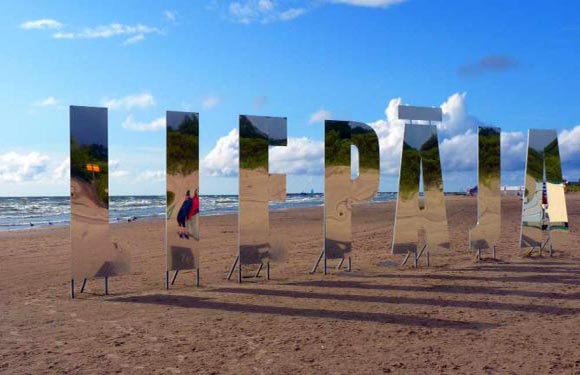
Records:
x=88, y=125
x=417, y=135
x=274, y=127
x=174, y=119
x=539, y=138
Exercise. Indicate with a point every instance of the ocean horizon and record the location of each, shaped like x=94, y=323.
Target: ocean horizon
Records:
x=17, y=213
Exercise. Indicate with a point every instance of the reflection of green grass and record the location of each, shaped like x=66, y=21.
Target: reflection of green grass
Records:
x=95, y=154
x=337, y=143
x=428, y=157
x=489, y=156
x=551, y=157
x=170, y=197
x=368, y=148
x=253, y=146
x=183, y=147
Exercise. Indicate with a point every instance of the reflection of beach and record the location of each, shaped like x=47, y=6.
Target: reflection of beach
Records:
x=257, y=245
x=338, y=211
x=487, y=232
x=93, y=253
x=379, y=317
x=179, y=185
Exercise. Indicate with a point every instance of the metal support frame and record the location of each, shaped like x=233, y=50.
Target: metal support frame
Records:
x=542, y=247
x=106, y=285
x=417, y=256
x=479, y=254
x=233, y=267
x=322, y=257
x=168, y=283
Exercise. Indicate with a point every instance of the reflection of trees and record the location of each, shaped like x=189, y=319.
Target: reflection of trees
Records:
x=95, y=154
x=489, y=156
x=368, y=147
x=551, y=156
x=253, y=145
x=410, y=171
x=337, y=143
x=183, y=147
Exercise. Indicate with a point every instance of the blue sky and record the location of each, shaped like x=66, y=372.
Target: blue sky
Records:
x=493, y=62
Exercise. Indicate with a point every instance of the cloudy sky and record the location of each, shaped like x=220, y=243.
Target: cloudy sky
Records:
x=484, y=62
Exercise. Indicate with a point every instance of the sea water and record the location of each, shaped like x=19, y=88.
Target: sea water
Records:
x=34, y=212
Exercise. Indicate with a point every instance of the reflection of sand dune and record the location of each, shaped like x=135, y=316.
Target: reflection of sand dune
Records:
x=93, y=253
x=487, y=232
x=175, y=245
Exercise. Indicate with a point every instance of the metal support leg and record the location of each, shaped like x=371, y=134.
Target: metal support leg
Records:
x=349, y=269
x=197, y=278
x=493, y=252
x=233, y=268
x=174, y=277
x=72, y=288
x=478, y=255
x=551, y=249
x=259, y=269
x=324, y=264
x=340, y=263
x=416, y=258
x=106, y=285
x=406, y=258
x=166, y=280
x=428, y=261
x=83, y=285
x=268, y=271
x=317, y=262
x=239, y=272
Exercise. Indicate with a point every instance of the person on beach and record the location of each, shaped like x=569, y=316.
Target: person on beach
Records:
x=182, y=215
x=192, y=216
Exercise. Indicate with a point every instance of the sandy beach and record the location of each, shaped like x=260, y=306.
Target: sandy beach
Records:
x=512, y=316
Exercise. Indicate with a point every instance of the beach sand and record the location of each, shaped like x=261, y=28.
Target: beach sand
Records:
x=514, y=316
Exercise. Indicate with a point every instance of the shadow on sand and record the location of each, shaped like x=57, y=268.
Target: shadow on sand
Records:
x=483, y=305
x=205, y=303
x=443, y=289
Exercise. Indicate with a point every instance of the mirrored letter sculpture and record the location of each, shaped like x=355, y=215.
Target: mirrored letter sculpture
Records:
x=258, y=187
x=420, y=220
x=93, y=253
x=340, y=191
x=544, y=203
x=183, y=204
x=487, y=232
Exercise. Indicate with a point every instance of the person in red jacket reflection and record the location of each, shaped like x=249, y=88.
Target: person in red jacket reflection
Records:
x=193, y=216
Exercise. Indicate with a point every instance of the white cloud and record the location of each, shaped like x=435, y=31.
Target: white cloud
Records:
x=569, y=141
x=107, y=31
x=62, y=171
x=513, y=151
x=302, y=156
x=154, y=125
x=223, y=159
x=210, y=102
x=119, y=173
x=142, y=100
x=134, y=39
x=50, y=101
x=264, y=11
x=19, y=167
x=45, y=23
x=459, y=153
x=369, y=3
x=151, y=176
x=170, y=15
x=320, y=116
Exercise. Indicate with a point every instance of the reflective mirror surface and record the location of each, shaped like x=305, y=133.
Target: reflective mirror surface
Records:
x=544, y=204
x=420, y=219
x=487, y=232
x=93, y=253
x=257, y=187
x=340, y=191
x=183, y=207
